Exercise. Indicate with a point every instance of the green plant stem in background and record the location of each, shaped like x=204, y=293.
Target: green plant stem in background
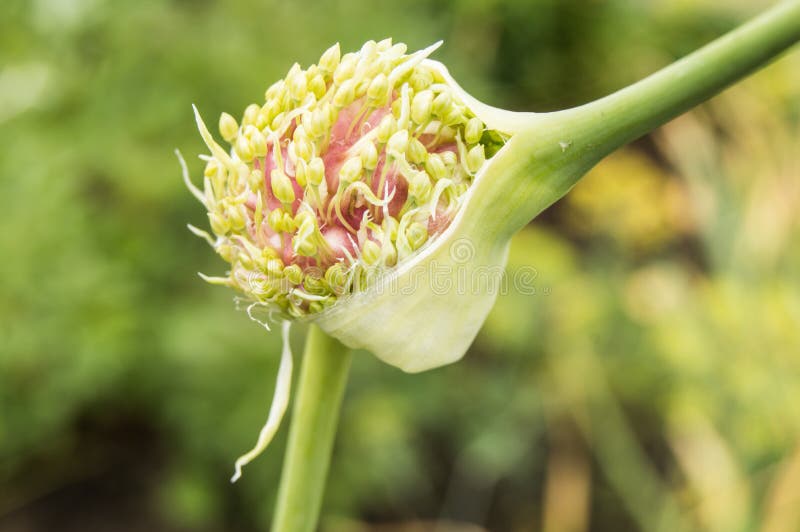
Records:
x=326, y=364
x=639, y=108
x=554, y=150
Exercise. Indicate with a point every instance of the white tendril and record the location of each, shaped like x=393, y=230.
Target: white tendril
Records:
x=187, y=180
x=280, y=401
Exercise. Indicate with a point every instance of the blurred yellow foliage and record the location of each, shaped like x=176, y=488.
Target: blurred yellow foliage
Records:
x=630, y=199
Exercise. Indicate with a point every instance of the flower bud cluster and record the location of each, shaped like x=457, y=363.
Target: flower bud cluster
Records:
x=348, y=167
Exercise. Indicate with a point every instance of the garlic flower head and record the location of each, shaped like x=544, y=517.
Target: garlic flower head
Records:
x=349, y=172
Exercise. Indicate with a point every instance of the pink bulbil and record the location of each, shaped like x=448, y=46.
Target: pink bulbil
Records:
x=340, y=233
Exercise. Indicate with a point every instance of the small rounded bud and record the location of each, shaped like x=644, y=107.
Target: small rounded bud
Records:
x=475, y=158
x=419, y=186
x=416, y=151
x=454, y=115
x=255, y=180
x=274, y=267
x=370, y=252
x=293, y=274
x=396, y=51
x=228, y=127
x=398, y=143
x=384, y=44
x=447, y=133
x=369, y=154
x=212, y=167
x=320, y=122
x=317, y=86
x=441, y=104
x=268, y=253
x=274, y=91
x=449, y=158
x=473, y=131
x=390, y=255
x=298, y=86
x=282, y=186
x=292, y=71
x=345, y=94
x=304, y=247
x=330, y=59
x=250, y=114
x=378, y=90
x=351, y=170
x=397, y=107
x=315, y=172
x=361, y=87
x=421, y=79
x=288, y=222
x=304, y=217
x=243, y=149
x=314, y=285
x=435, y=166
x=275, y=220
x=333, y=113
x=386, y=128
x=346, y=69
x=219, y=224
x=299, y=133
x=270, y=110
x=421, y=107
x=277, y=121
x=263, y=119
x=300, y=173
x=306, y=119
x=237, y=218
x=336, y=278
x=368, y=51
x=258, y=142
x=390, y=226
x=246, y=260
x=417, y=235
x=227, y=252
x=242, y=172
x=303, y=149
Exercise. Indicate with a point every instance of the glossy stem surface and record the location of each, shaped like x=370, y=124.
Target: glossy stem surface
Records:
x=325, y=367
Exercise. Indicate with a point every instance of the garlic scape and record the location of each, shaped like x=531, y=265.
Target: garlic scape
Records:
x=371, y=196
x=338, y=190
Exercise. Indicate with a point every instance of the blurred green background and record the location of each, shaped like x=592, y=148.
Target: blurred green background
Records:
x=651, y=383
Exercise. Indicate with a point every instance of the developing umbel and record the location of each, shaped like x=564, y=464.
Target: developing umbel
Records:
x=348, y=168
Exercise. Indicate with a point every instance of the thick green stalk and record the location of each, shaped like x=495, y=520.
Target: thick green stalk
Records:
x=552, y=151
x=633, y=111
x=326, y=363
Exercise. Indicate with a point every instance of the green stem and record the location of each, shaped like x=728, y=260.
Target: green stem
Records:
x=326, y=364
x=554, y=150
x=639, y=108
